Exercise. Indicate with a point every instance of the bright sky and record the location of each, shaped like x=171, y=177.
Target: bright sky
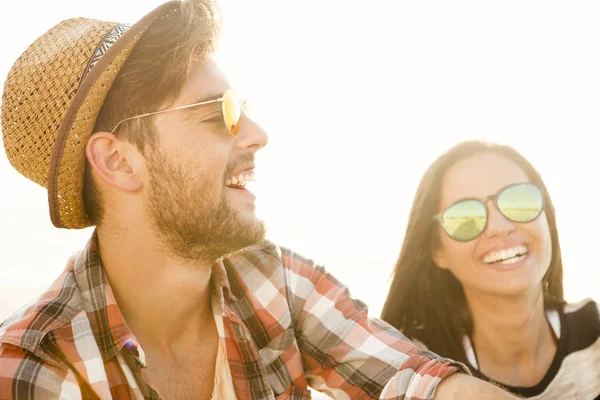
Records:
x=358, y=100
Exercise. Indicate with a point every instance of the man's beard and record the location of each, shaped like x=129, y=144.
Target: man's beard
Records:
x=193, y=224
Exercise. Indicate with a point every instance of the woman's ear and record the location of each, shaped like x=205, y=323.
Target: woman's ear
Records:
x=114, y=162
x=439, y=257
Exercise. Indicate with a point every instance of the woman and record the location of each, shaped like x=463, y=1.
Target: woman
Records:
x=479, y=277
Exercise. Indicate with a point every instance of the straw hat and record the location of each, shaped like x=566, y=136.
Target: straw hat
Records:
x=52, y=97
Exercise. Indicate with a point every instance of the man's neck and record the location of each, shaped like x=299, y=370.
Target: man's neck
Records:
x=512, y=338
x=164, y=301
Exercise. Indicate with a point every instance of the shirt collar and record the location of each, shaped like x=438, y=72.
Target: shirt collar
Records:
x=84, y=287
x=106, y=320
x=220, y=283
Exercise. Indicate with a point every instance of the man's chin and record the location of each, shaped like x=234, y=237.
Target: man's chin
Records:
x=248, y=236
x=219, y=247
x=255, y=232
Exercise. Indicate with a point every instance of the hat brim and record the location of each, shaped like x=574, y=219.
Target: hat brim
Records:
x=67, y=163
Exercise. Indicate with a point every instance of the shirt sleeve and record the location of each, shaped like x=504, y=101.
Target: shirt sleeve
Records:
x=345, y=353
x=24, y=376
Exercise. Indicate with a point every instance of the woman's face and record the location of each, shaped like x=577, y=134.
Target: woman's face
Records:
x=481, y=265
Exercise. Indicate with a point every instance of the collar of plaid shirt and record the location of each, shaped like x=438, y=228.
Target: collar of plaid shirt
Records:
x=84, y=287
x=287, y=323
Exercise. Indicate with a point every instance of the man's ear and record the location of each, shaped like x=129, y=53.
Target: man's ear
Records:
x=439, y=257
x=115, y=162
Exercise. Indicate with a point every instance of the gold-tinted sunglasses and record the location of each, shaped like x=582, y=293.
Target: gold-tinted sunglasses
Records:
x=231, y=105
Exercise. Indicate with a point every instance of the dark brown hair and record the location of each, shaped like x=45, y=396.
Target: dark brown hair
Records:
x=153, y=75
x=427, y=303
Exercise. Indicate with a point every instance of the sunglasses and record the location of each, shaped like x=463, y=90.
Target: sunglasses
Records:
x=467, y=218
x=231, y=108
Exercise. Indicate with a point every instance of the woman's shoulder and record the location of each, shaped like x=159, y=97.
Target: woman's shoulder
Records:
x=582, y=312
x=578, y=357
x=582, y=320
x=578, y=305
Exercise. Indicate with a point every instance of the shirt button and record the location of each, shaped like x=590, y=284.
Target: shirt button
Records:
x=141, y=356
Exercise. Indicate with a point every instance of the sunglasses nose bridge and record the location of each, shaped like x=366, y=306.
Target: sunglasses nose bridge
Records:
x=497, y=223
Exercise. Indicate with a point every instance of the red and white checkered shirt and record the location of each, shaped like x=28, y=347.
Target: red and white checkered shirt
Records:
x=288, y=325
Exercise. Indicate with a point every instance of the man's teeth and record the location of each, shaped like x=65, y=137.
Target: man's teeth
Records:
x=240, y=180
x=511, y=255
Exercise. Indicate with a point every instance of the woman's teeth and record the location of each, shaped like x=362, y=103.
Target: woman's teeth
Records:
x=506, y=256
x=514, y=259
x=240, y=180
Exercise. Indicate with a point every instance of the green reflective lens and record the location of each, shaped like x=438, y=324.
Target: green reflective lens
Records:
x=465, y=220
x=521, y=203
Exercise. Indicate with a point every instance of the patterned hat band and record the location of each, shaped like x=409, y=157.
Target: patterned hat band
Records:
x=111, y=38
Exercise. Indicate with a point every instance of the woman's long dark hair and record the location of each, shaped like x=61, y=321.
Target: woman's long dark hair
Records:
x=427, y=303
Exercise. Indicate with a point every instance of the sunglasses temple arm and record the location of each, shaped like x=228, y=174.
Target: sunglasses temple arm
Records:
x=220, y=100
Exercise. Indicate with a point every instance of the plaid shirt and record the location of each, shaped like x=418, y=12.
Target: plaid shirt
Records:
x=287, y=325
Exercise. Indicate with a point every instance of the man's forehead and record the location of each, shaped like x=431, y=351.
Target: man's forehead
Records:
x=205, y=82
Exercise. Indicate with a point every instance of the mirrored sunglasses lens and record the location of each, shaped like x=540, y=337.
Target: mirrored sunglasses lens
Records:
x=521, y=203
x=231, y=111
x=465, y=220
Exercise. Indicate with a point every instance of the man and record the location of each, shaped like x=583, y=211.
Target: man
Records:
x=135, y=130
